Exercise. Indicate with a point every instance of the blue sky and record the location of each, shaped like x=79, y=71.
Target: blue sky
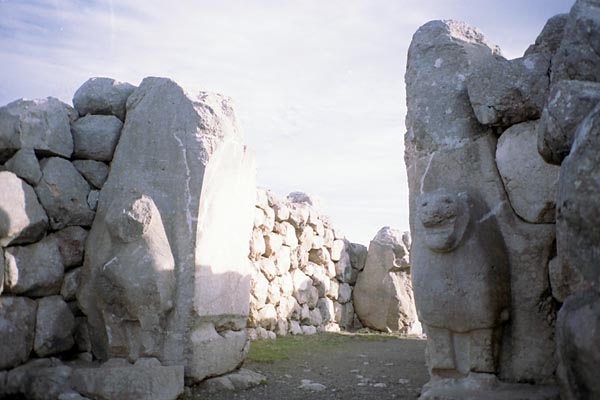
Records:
x=318, y=85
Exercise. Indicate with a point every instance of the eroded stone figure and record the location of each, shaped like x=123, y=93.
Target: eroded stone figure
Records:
x=461, y=283
x=136, y=280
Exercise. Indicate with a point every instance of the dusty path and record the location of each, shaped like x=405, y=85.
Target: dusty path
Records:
x=349, y=366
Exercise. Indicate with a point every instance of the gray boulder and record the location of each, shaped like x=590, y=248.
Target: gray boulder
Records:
x=22, y=218
x=578, y=57
x=42, y=125
x=54, y=326
x=71, y=242
x=70, y=284
x=195, y=237
x=548, y=41
x=26, y=166
x=578, y=202
x=95, y=137
x=383, y=298
x=17, y=327
x=47, y=383
x=529, y=181
x=63, y=193
x=102, y=96
x=132, y=382
x=504, y=93
x=578, y=346
x=569, y=102
x=95, y=172
x=34, y=270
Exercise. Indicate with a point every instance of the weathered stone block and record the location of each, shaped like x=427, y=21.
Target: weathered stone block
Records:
x=17, y=327
x=22, y=218
x=102, y=96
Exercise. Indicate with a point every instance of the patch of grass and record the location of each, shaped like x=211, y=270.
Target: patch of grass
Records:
x=285, y=347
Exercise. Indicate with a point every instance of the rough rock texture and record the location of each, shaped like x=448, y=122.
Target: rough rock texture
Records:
x=54, y=326
x=578, y=344
x=95, y=137
x=95, y=172
x=34, y=270
x=578, y=202
x=63, y=193
x=102, y=96
x=189, y=216
x=71, y=242
x=548, y=41
x=578, y=56
x=480, y=273
x=135, y=382
x=25, y=165
x=238, y=380
x=17, y=327
x=504, y=92
x=569, y=102
x=42, y=125
x=22, y=218
x=529, y=181
x=383, y=297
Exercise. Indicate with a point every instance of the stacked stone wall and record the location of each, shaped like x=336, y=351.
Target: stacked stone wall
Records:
x=304, y=270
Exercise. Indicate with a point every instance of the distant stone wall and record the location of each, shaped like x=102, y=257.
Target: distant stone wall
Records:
x=304, y=270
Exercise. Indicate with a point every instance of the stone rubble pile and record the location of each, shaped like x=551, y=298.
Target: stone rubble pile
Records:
x=304, y=270
x=114, y=220
x=502, y=160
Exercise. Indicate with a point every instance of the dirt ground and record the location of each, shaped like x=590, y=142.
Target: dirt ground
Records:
x=351, y=367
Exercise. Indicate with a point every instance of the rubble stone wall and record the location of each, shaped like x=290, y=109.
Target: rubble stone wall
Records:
x=304, y=270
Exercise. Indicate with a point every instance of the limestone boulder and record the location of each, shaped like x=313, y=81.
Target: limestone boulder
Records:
x=548, y=41
x=41, y=125
x=95, y=172
x=569, y=102
x=529, y=181
x=71, y=243
x=25, y=165
x=135, y=382
x=47, y=383
x=383, y=297
x=506, y=92
x=578, y=346
x=22, y=218
x=578, y=202
x=578, y=56
x=17, y=327
x=70, y=284
x=104, y=96
x=34, y=270
x=441, y=57
x=95, y=137
x=202, y=187
x=54, y=327
x=63, y=193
